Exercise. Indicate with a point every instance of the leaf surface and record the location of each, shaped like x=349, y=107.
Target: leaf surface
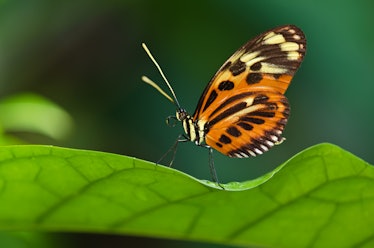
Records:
x=322, y=197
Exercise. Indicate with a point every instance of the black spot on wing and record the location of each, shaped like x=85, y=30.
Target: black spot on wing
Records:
x=276, y=75
x=256, y=66
x=233, y=131
x=262, y=114
x=211, y=99
x=245, y=125
x=254, y=78
x=224, y=139
x=260, y=99
x=271, y=106
x=237, y=67
x=226, y=85
x=253, y=120
x=226, y=66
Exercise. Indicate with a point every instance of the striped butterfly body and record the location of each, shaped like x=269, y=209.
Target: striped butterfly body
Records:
x=243, y=111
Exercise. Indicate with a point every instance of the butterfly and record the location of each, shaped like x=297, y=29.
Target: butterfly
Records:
x=243, y=111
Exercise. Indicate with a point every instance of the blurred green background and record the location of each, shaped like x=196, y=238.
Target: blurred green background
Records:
x=86, y=56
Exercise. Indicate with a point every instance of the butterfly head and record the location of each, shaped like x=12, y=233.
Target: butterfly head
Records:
x=181, y=114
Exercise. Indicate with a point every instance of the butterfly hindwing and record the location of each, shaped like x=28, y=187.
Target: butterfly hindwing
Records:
x=250, y=126
x=246, y=94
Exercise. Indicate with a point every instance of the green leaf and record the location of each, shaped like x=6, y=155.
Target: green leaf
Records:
x=29, y=240
x=32, y=113
x=322, y=197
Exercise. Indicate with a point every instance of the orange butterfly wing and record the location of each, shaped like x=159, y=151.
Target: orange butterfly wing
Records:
x=243, y=109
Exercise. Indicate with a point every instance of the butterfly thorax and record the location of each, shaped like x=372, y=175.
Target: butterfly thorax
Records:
x=194, y=129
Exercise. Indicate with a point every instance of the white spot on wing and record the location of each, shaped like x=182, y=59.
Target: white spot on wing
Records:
x=269, y=143
x=244, y=155
x=238, y=155
x=264, y=148
x=252, y=153
x=269, y=35
x=254, y=60
x=274, y=138
x=249, y=56
x=249, y=101
x=258, y=151
x=293, y=56
x=289, y=46
x=271, y=68
x=275, y=39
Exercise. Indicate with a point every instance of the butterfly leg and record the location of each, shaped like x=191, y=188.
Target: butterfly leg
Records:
x=212, y=169
x=173, y=148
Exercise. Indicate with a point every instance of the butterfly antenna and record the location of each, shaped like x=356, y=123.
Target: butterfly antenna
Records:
x=154, y=85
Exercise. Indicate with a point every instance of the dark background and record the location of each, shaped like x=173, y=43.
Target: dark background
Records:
x=86, y=56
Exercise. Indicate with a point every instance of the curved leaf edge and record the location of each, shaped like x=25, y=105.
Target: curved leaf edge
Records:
x=322, y=148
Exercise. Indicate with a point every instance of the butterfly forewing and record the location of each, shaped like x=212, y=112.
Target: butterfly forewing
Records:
x=243, y=109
